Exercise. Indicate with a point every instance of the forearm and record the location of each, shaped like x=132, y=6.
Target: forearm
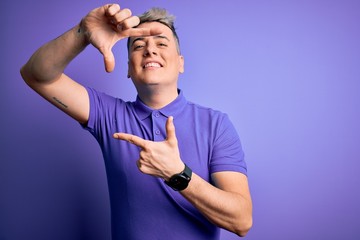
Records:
x=49, y=61
x=228, y=210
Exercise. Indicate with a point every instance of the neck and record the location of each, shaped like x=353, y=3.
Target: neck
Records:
x=157, y=98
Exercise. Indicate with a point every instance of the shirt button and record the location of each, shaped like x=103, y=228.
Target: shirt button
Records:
x=157, y=114
x=157, y=131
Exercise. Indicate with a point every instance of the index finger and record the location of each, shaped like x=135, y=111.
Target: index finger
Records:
x=138, y=141
x=142, y=32
x=130, y=28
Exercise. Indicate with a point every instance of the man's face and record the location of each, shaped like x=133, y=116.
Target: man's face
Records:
x=155, y=60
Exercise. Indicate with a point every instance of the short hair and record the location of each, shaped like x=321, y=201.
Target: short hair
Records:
x=162, y=16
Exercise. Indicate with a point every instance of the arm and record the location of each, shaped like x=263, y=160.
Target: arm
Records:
x=227, y=204
x=44, y=72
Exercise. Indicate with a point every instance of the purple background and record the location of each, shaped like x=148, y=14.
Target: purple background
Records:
x=287, y=73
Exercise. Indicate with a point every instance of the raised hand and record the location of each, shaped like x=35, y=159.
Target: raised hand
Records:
x=106, y=25
x=161, y=159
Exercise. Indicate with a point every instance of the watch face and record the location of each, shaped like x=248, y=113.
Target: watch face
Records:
x=179, y=182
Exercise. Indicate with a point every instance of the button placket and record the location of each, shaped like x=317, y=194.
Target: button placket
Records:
x=157, y=115
x=158, y=126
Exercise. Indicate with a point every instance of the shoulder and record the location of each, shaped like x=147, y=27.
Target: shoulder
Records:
x=103, y=99
x=208, y=113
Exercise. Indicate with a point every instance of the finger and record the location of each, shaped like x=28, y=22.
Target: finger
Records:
x=124, y=15
x=170, y=130
x=131, y=139
x=109, y=59
x=142, y=167
x=138, y=163
x=111, y=9
x=128, y=22
x=138, y=32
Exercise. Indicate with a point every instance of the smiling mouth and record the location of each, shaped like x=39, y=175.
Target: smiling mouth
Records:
x=152, y=65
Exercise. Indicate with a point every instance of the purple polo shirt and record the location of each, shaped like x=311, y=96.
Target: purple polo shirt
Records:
x=143, y=206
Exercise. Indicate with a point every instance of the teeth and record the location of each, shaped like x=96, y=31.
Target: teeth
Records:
x=152, y=64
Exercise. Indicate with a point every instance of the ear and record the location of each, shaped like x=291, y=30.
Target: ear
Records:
x=181, y=64
x=128, y=75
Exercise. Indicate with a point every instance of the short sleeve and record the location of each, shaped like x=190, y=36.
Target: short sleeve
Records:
x=227, y=154
x=102, y=110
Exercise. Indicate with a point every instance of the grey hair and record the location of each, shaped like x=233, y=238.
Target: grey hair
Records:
x=162, y=16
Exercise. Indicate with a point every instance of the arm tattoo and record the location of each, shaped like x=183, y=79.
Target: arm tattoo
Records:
x=59, y=102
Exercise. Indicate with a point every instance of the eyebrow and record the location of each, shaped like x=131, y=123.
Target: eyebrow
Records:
x=142, y=38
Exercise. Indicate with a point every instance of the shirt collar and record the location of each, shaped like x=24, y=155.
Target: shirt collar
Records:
x=172, y=109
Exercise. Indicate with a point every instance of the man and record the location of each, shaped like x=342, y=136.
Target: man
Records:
x=164, y=183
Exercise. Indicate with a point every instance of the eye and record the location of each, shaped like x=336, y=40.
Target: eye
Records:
x=162, y=44
x=137, y=47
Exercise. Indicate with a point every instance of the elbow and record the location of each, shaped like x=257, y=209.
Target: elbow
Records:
x=30, y=76
x=244, y=221
x=243, y=226
x=35, y=76
x=243, y=232
x=25, y=74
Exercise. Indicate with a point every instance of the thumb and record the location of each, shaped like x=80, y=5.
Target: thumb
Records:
x=170, y=130
x=109, y=60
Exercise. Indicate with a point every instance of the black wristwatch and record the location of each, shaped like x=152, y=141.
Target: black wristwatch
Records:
x=180, y=181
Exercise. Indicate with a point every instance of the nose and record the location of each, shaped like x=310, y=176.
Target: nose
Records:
x=150, y=49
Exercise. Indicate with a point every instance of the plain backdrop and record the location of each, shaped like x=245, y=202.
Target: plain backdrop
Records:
x=287, y=73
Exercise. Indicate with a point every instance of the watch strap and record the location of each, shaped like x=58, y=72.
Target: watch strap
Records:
x=180, y=181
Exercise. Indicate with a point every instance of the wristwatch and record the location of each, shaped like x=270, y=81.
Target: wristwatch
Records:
x=180, y=181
